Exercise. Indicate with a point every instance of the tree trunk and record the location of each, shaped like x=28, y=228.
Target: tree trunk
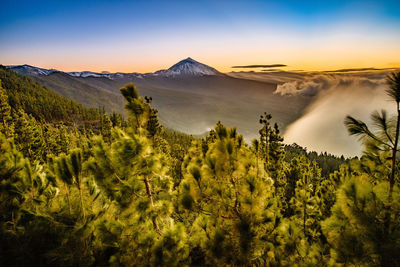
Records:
x=137, y=122
x=149, y=195
x=304, y=218
x=5, y=128
x=257, y=163
x=266, y=148
x=69, y=201
x=392, y=176
x=81, y=198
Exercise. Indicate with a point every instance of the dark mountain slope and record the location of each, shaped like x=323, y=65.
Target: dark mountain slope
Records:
x=81, y=91
x=40, y=102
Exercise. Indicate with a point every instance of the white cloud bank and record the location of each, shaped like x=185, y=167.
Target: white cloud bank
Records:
x=321, y=128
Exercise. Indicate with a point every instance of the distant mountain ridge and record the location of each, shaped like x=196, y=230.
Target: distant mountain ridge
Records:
x=31, y=70
x=186, y=67
x=44, y=104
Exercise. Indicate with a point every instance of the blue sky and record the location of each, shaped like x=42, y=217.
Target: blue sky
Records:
x=149, y=35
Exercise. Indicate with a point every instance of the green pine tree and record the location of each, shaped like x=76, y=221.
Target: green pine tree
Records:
x=6, y=123
x=226, y=199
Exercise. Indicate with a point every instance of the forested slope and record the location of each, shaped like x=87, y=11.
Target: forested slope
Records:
x=133, y=194
x=40, y=102
x=82, y=91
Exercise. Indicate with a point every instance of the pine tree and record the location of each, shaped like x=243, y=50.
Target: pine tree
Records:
x=386, y=137
x=305, y=203
x=28, y=136
x=6, y=124
x=132, y=175
x=11, y=166
x=272, y=150
x=117, y=120
x=106, y=127
x=137, y=107
x=275, y=151
x=226, y=198
x=358, y=230
x=153, y=127
x=24, y=193
x=264, y=135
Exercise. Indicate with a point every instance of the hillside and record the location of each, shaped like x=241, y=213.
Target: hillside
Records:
x=42, y=103
x=81, y=91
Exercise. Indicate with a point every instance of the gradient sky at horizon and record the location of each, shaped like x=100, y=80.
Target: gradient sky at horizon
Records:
x=145, y=36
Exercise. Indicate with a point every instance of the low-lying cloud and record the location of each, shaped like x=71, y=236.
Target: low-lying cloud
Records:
x=353, y=69
x=314, y=84
x=332, y=96
x=321, y=128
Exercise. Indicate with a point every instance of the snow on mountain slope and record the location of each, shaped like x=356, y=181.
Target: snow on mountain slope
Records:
x=112, y=76
x=31, y=70
x=36, y=71
x=85, y=74
x=187, y=67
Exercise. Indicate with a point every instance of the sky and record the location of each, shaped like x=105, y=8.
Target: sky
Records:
x=145, y=36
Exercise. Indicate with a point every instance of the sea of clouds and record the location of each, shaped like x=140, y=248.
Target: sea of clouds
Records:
x=336, y=95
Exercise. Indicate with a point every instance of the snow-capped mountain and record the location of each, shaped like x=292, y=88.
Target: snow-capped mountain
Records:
x=85, y=74
x=112, y=76
x=188, y=67
x=35, y=71
x=31, y=70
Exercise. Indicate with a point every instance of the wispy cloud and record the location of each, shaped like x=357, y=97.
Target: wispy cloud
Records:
x=259, y=66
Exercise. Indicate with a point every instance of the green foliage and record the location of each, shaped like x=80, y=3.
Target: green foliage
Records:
x=359, y=230
x=44, y=123
x=270, y=148
x=28, y=136
x=136, y=106
x=226, y=197
x=106, y=126
x=394, y=86
x=327, y=162
x=137, y=194
x=122, y=167
x=6, y=123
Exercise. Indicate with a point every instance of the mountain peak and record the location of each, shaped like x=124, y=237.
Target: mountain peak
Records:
x=188, y=67
x=189, y=59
